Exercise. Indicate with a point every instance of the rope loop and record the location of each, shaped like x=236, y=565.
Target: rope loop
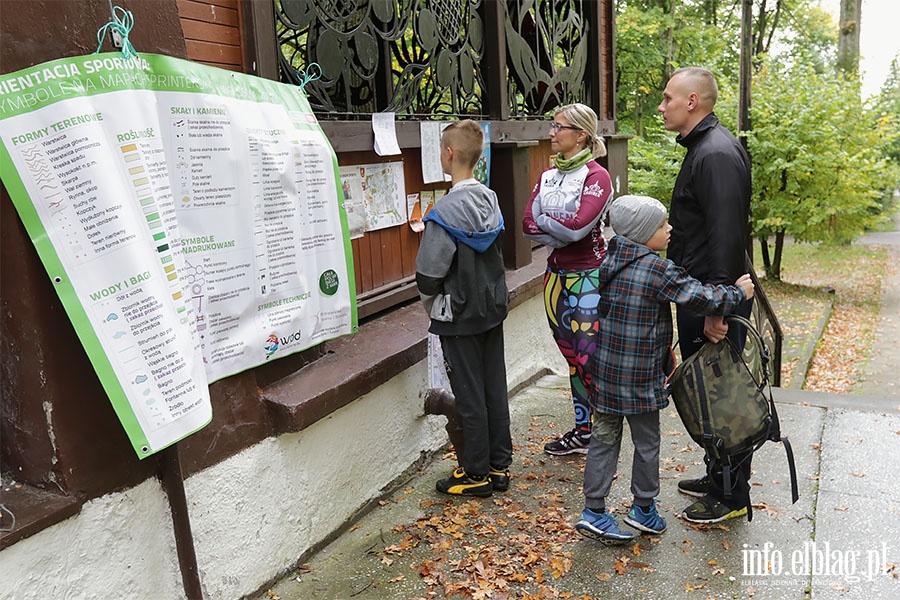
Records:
x=121, y=25
x=313, y=72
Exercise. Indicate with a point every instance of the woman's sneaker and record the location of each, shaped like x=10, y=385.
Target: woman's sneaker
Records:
x=647, y=521
x=694, y=487
x=602, y=527
x=571, y=442
x=460, y=484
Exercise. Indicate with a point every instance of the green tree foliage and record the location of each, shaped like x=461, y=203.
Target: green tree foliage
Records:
x=653, y=167
x=655, y=37
x=886, y=108
x=811, y=37
x=824, y=163
x=819, y=164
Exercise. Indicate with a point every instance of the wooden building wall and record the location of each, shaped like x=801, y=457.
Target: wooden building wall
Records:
x=213, y=32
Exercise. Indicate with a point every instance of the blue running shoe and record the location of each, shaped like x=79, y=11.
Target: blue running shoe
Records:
x=649, y=521
x=602, y=527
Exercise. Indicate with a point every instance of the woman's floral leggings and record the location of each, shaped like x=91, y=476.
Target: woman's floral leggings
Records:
x=571, y=299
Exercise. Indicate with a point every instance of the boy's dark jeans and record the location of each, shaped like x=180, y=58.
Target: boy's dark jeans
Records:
x=477, y=371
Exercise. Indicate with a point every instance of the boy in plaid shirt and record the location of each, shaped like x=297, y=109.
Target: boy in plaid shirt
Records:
x=634, y=357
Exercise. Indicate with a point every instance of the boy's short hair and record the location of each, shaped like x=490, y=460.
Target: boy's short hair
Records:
x=467, y=140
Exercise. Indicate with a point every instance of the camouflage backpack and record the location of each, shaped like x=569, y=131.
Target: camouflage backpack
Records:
x=723, y=404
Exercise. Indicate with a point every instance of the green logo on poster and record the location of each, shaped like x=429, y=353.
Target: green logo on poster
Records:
x=328, y=282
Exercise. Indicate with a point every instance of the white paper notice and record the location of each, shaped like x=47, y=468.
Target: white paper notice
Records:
x=430, y=139
x=414, y=210
x=385, y=134
x=437, y=371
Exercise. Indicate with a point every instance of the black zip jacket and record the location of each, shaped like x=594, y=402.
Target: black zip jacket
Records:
x=710, y=209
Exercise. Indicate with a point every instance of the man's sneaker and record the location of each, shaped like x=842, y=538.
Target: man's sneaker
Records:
x=694, y=487
x=649, y=521
x=708, y=510
x=499, y=479
x=570, y=443
x=460, y=484
x=602, y=527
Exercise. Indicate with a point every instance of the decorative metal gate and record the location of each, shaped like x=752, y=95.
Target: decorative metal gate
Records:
x=425, y=57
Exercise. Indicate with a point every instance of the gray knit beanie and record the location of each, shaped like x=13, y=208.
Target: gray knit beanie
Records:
x=636, y=217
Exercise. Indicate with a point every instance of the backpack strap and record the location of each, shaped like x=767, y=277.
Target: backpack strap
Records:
x=775, y=436
x=708, y=437
x=795, y=494
x=775, y=425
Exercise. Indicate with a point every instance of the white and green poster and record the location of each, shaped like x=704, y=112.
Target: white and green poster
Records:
x=189, y=217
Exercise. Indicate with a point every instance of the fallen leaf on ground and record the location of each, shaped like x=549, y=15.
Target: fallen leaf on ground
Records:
x=768, y=509
x=690, y=587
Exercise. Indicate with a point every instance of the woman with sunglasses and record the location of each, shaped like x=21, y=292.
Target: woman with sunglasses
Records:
x=565, y=213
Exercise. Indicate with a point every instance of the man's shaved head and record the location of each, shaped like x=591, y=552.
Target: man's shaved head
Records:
x=701, y=81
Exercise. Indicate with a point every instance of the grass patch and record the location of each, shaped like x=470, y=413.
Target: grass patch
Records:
x=814, y=277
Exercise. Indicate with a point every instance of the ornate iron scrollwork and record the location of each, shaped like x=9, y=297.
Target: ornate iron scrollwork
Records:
x=406, y=56
x=547, y=46
x=763, y=317
x=424, y=57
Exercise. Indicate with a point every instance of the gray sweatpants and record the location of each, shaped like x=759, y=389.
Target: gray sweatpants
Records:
x=603, y=456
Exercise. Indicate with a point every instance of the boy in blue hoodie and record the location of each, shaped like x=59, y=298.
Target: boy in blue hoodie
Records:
x=634, y=358
x=462, y=283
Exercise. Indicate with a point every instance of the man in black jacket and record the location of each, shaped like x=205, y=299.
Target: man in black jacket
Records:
x=710, y=220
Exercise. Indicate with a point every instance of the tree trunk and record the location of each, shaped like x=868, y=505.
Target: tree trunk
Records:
x=848, y=38
x=776, y=262
x=764, y=250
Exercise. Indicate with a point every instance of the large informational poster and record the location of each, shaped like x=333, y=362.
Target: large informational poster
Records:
x=189, y=217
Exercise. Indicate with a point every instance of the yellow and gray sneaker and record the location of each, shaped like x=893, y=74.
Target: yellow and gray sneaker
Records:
x=460, y=484
x=708, y=510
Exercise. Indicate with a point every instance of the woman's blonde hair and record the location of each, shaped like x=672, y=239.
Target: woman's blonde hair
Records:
x=583, y=117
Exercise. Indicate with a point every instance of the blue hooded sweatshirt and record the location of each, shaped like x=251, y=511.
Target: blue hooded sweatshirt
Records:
x=459, y=268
